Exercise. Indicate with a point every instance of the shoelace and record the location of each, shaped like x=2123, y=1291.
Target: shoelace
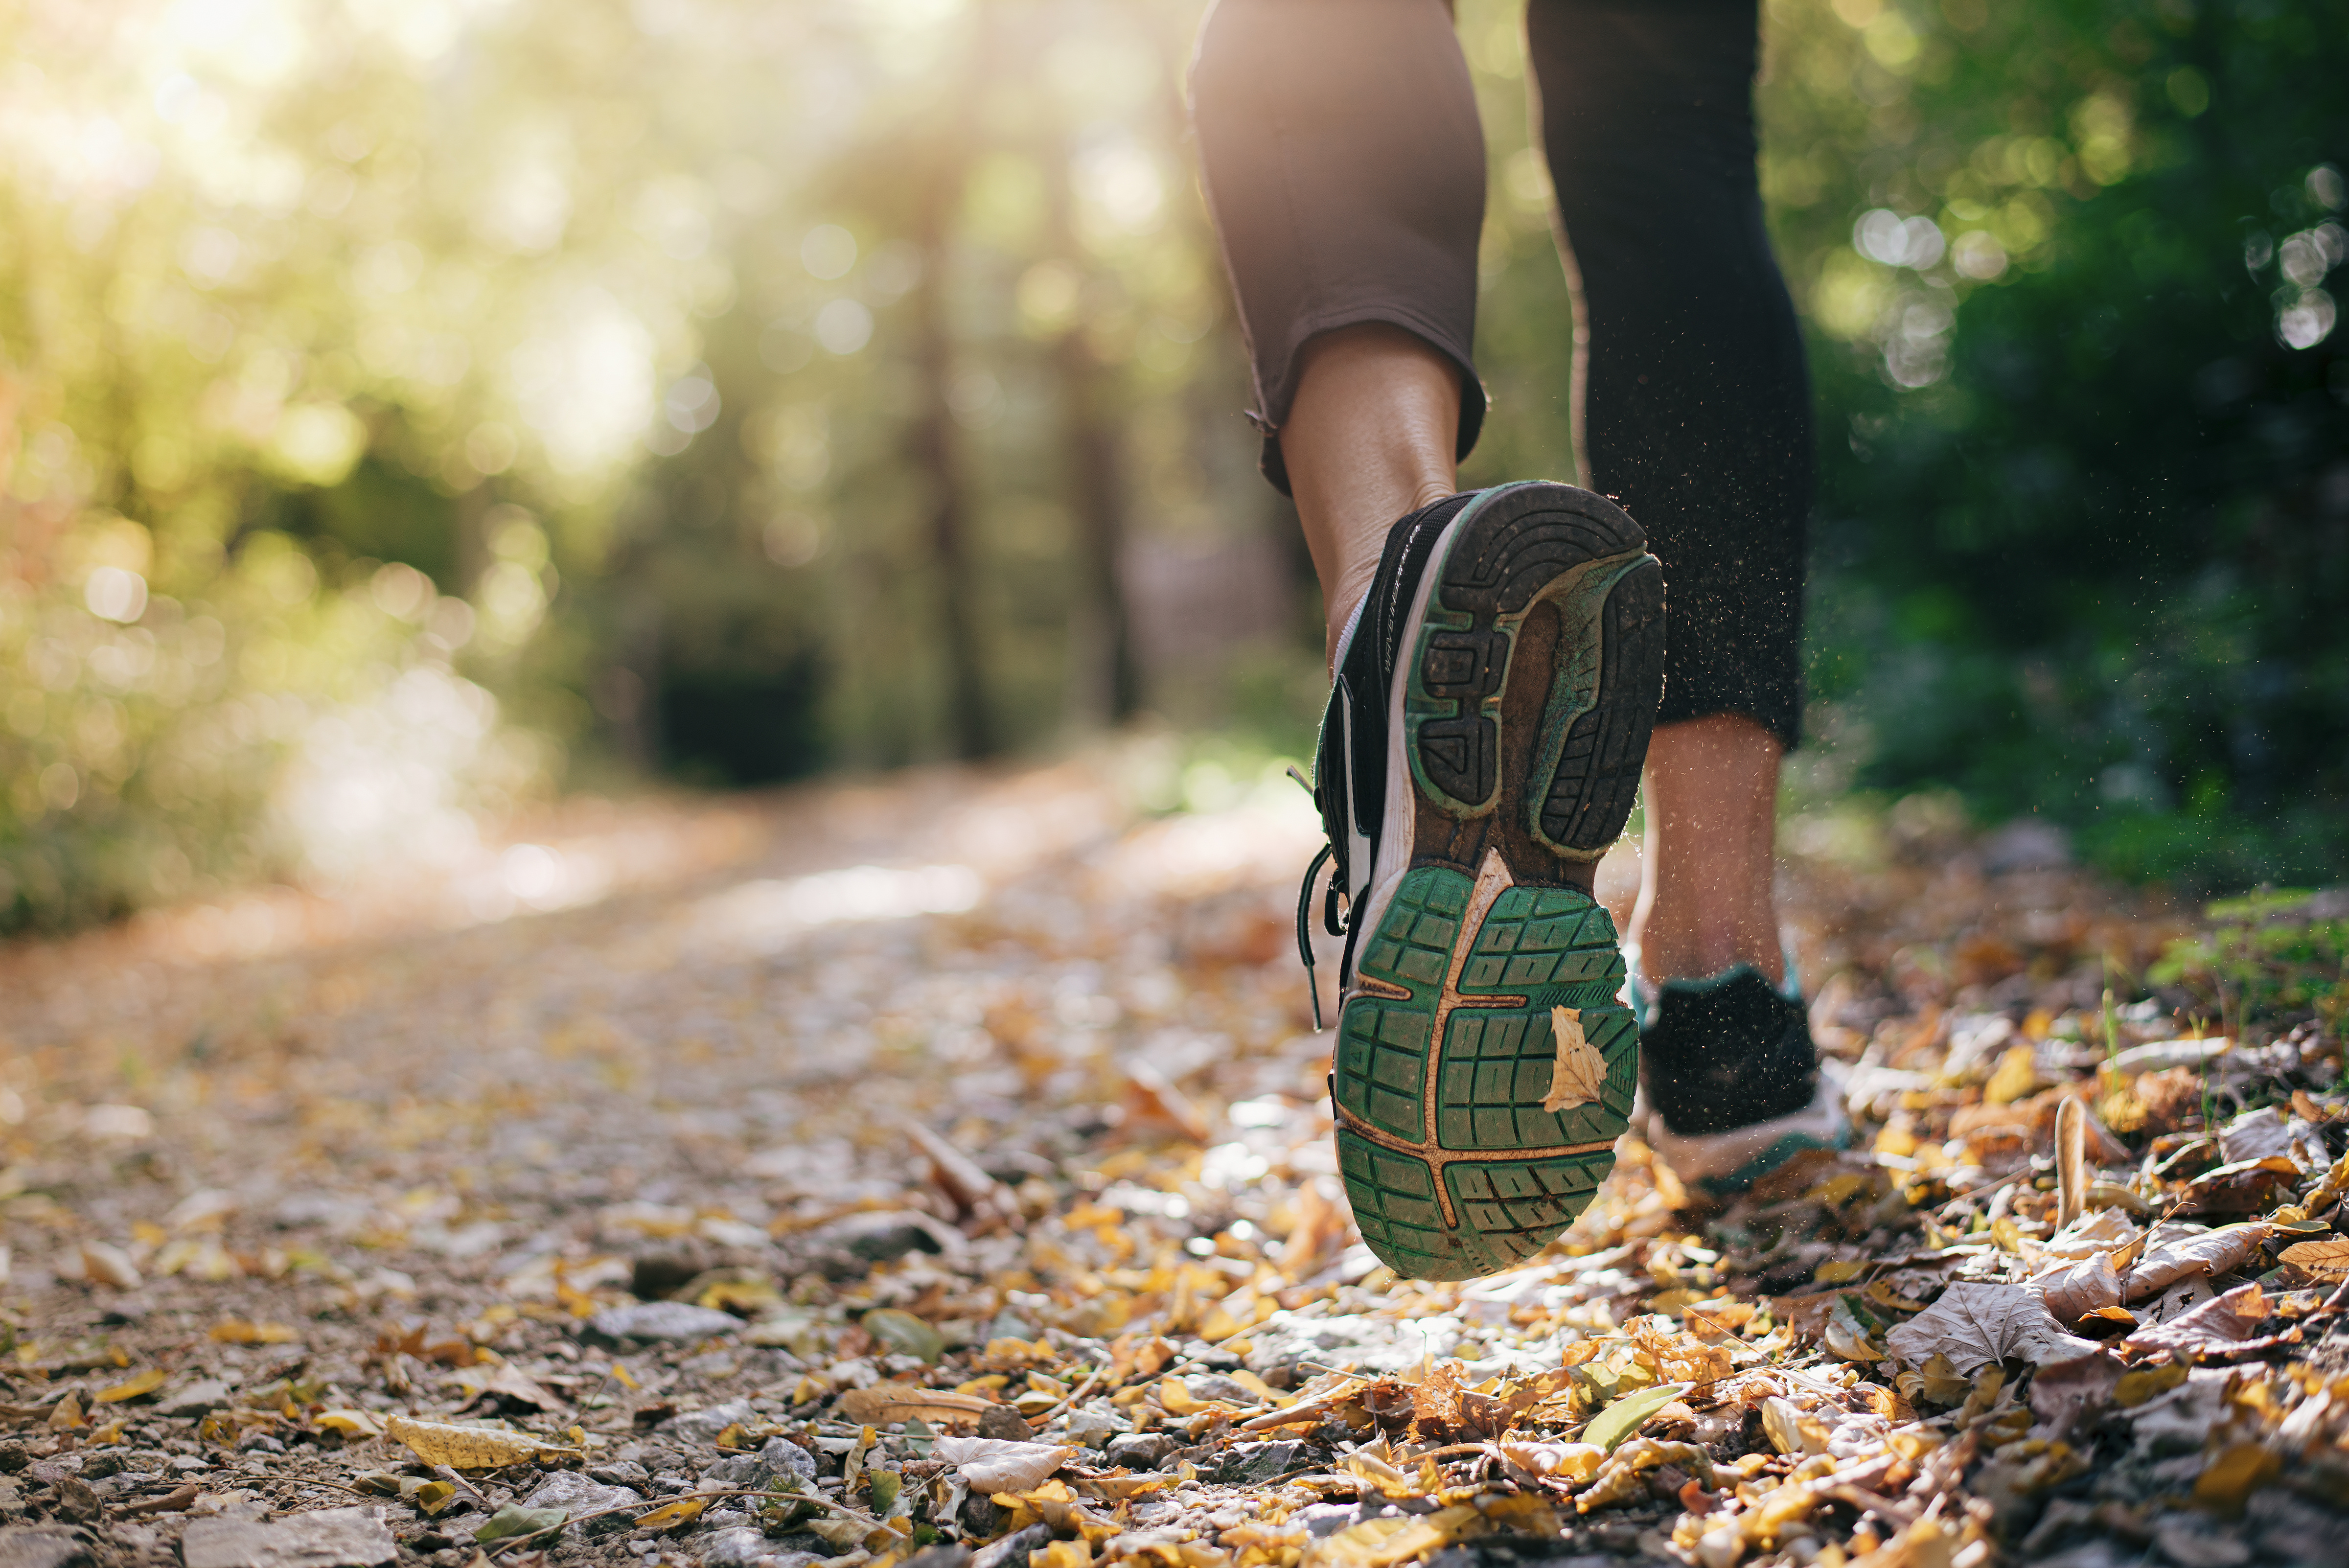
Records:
x=1333, y=918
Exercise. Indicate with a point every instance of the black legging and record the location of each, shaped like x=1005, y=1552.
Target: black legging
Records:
x=1345, y=169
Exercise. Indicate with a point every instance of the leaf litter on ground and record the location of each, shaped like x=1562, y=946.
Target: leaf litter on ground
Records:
x=641, y=1231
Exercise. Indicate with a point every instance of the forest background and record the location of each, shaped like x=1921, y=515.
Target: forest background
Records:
x=412, y=408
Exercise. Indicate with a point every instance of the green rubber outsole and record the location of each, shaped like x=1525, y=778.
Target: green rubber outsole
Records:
x=1445, y=1053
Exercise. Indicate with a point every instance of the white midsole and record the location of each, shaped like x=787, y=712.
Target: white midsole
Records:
x=1402, y=797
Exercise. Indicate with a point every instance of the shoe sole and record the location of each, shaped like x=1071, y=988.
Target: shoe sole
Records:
x=1535, y=664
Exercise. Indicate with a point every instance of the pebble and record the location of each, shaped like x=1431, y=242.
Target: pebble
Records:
x=330, y=1537
x=675, y=1321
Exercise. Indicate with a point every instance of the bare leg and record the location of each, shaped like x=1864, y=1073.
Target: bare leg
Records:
x=1369, y=437
x=1707, y=868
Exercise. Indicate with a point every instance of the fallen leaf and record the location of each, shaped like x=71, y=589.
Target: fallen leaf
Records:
x=1977, y=1322
x=178, y=1500
x=467, y=1447
x=131, y=1388
x=2326, y=1259
x=2212, y=1252
x=2063, y=1391
x=2071, y=1159
x=1579, y=1072
x=1625, y=1416
x=2073, y=1291
x=905, y=1333
x=1383, y=1542
x=2104, y=1230
x=1570, y=1461
x=2236, y=1473
x=992, y=1465
x=2223, y=1320
x=350, y=1423
x=237, y=1331
x=885, y=1403
x=67, y=1415
x=670, y=1515
x=515, y=1519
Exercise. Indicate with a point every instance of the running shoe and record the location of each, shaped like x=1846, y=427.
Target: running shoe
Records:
x=1732, y=1086
x=1480, y=753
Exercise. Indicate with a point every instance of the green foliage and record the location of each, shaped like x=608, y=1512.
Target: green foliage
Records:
x=739, y=389
x=2268, y=958
x=2084, y=517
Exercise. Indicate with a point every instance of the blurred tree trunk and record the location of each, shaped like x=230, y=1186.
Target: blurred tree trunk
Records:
x=1105, y=677
x=936, y=452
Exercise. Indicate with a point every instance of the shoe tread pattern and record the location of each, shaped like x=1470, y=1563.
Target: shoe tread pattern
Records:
x=1520, y=543
x=1539, y=948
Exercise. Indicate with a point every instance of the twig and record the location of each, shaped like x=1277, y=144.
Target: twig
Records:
x=1082, y=1389
x=643, y=1512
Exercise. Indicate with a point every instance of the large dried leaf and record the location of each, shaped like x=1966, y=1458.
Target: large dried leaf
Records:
x=1579, y=1073
x=2105, y=1231
x=2223, y=1321
x=2327, y=1258
x=2179, y=1257
x=2074, y=1290
x=467, y=1447
x=992, y=1465
x=1977, y=1323
x=887, y=1402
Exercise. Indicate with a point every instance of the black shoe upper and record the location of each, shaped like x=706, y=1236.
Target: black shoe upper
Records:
x=1725, y=1053
x=1349, y=768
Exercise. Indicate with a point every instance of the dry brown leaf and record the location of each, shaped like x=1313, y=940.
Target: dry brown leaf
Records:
x=2072, y=1290
x=2071, y=1161
x=2212, y=1252
x=887, y=1402
x=1977, y=1323
x=991, y=1466
x=1579, y=1073
x=467, y=1447
x=2223, y=1321
x=2327, y=1258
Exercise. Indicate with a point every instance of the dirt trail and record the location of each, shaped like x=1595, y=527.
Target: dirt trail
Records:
x=706, y=1144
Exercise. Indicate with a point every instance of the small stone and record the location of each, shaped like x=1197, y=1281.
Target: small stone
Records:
x=621, y=1472
x=739, y=1547
x=36, y=1546
x=1093, y=1429
x=1140, y=1450
x=1214, y=1386
x=14, y=1457
x=880, y=1236
x=1011, y=1552
x=576, y=1494
x=1256, y=1464
x=1005, y=1424
x=781, y=1456
x=678, y=1321
x=201, y=1397
x=77, y=1502
x=330, y=1537
x=704, y=1425
x=946, y=1554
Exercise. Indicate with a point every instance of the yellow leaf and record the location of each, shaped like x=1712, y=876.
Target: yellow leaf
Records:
x=1579, y=1073
x=1178, y=1400
x=237, y=1331
x=1841, y=1270
x=131, y=1388
x=2017, y=1075
x=620, y=1372
x=434, y=1496
x=67, y=1415
x=669, y=1516
x=1062, y=1554
x=2239, y=1471
x=2136, y=1388
x=887, y=1402
x=349, y=1423
x=467, y=1447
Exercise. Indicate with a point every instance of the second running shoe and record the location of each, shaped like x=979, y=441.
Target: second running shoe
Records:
x=1481, y=751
